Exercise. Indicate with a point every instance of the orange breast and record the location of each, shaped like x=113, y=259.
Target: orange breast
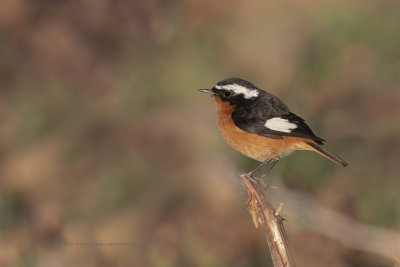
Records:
x=253, y=145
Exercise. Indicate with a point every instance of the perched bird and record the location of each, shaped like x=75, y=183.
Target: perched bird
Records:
x=260, y=126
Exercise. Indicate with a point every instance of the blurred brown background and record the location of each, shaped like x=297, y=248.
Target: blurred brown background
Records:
x=105, y=139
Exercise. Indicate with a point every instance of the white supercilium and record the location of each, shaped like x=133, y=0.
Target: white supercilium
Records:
x=238, y=89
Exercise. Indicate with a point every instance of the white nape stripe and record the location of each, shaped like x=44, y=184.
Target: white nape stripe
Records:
x=280, y=125
x=238, y=89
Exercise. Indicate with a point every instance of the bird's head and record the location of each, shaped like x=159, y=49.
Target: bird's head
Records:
x=234, y=91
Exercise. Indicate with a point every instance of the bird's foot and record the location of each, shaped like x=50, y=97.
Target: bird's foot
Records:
x=257, y=182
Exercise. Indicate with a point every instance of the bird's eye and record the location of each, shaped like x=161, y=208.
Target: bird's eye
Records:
x=227, y=93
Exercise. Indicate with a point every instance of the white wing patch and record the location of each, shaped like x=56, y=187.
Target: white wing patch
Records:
x=280, y=125
x=238, y=89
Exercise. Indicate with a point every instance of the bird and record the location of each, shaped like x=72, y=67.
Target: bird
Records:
x=260, y=126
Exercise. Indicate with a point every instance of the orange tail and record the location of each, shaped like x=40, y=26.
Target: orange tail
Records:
x=327, y=154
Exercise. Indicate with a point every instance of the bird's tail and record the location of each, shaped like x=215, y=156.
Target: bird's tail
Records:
x=326, y=153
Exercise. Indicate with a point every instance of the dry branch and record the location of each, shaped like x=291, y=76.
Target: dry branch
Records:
x=265, y=214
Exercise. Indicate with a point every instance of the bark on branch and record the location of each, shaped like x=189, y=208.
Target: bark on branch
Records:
x=268, y=217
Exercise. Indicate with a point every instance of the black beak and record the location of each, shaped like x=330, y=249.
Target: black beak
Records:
x=208, y=91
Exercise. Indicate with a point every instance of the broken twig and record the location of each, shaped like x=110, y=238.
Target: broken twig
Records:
x=265, y=214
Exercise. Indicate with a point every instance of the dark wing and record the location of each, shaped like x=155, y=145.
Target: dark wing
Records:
x=282, y=122
x=302, y=129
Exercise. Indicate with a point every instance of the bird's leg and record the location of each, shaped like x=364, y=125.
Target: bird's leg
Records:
x=273, y=162
x=259, y=181
x=250, y=173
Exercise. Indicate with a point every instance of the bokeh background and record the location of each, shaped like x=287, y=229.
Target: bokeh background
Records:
x=104, y=138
